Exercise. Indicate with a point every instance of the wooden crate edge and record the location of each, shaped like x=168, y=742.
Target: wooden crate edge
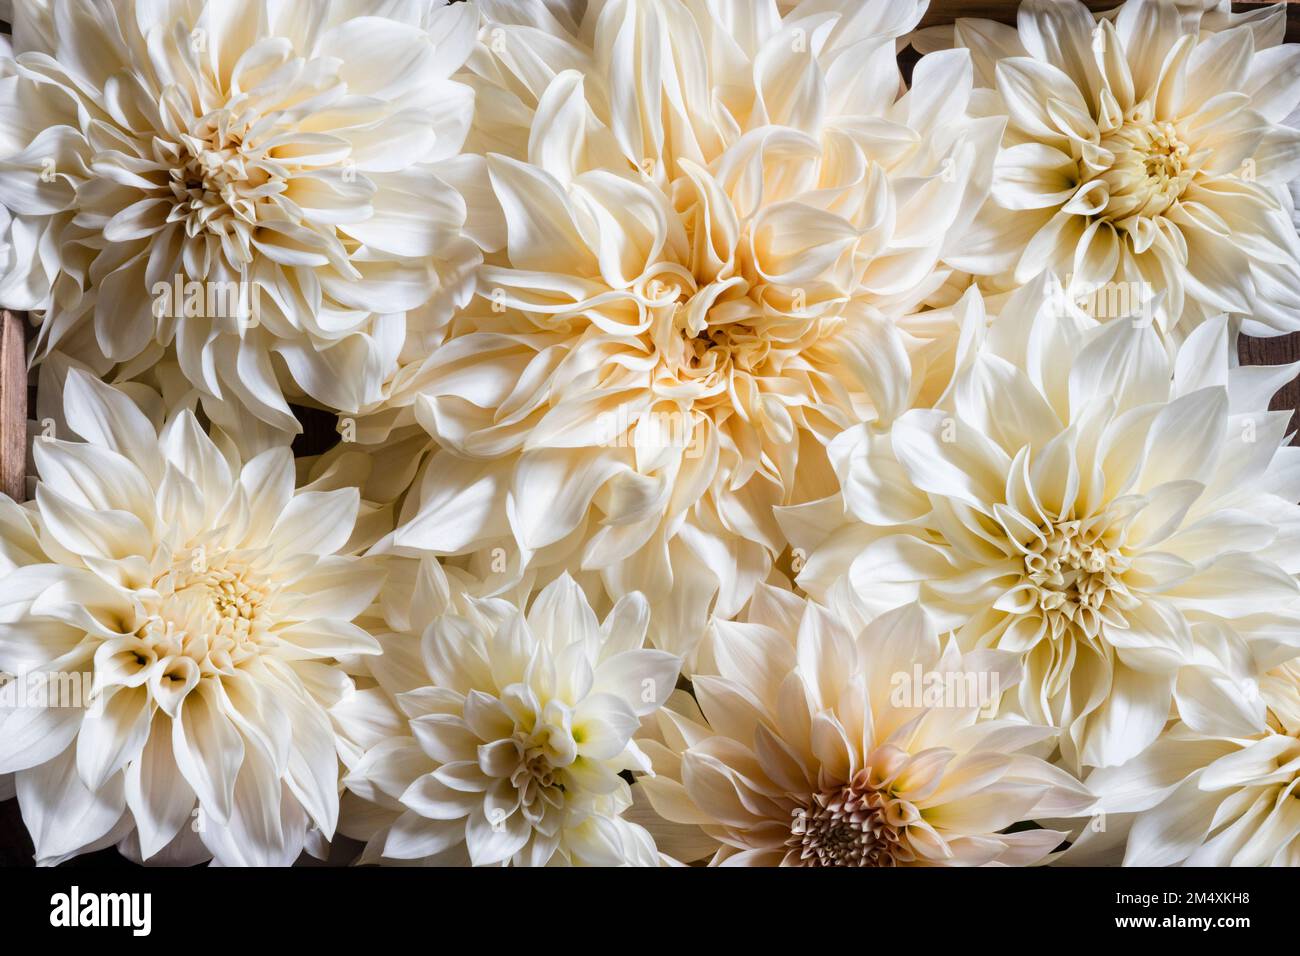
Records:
x=13, y=405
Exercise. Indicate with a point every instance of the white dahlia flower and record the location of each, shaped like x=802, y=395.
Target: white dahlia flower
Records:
x=819, y=742
x=516, y=726
x=1123, y=520
x=699, y=217
x=256, y=191
x=172, y=617
x=1215, y=800
x=1146, y=159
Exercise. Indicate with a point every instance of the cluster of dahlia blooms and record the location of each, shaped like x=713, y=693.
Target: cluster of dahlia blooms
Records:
x=770, y=432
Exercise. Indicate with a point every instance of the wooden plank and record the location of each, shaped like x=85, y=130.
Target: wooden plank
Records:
x=13, y=406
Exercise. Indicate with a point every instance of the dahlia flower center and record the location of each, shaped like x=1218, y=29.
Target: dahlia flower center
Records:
x=537, y=781
x=214, y=615
x=700, y=331
x=534, y=775
x=216, y=180
x=1076, y=575
x=532, y=758
x=858, y=824
x=706, y=332
x=1150, y=170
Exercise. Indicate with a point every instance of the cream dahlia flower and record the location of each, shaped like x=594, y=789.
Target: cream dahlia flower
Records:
x=699, y=217
x=189, y=609
x=813, y=744
x=1216, y=801
x=1146, y=160
x=1123, y=520
x=261, y=190
x=516, y=726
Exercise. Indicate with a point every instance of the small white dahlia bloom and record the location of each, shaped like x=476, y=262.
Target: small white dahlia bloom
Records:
x=1215, y=800
x=1146, y=159
x=1124, y=520
x=699, y=217
x=816, y=741
x=257, y=191
x=516, y=727
x=172, y=618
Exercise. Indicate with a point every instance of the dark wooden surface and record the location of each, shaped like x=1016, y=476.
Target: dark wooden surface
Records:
x=319, y=434
x=945, y=11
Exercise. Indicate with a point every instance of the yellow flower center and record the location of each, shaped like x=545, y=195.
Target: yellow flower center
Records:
x=216, y=182
x=1078, y=576
x=701, y=335
x=713, y=333
x=1150, y=170
x=214, y=615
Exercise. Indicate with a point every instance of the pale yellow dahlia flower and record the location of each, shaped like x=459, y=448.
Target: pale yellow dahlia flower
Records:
x=700, y=217
x=256, y=191
x=1145, y=160
x=1124, y=520
x=1215, y=800
x=515, y=722
x=173, y=617
x=816, y=741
